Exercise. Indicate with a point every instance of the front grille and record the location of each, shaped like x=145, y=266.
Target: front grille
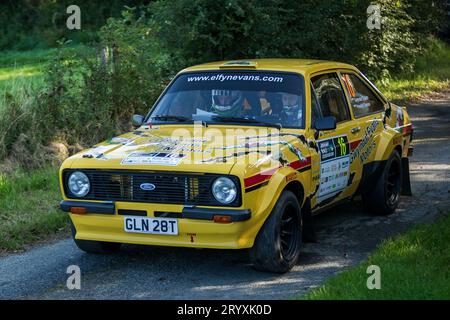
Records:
x=171, y=188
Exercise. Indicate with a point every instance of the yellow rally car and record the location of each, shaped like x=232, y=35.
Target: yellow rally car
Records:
x=242, y=154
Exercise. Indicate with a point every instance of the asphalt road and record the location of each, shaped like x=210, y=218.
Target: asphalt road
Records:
x=346, y=235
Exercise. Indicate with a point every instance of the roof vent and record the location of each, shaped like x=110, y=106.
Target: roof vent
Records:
x=239, y=64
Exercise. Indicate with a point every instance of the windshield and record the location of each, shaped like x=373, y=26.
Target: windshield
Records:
x=234, y=97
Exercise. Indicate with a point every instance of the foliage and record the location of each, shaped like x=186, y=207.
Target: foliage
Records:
x=28, y=119
x=205, y=30
x=29, y=24
x=24, y=222
x=431, y=74
x=90, y=95
x=413, y=266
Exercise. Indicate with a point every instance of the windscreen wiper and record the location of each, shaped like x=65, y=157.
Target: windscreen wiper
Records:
x=246, y=120
x=167, y=117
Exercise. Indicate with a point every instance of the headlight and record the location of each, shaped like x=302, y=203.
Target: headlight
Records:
x=79, y=184
x=224, y=190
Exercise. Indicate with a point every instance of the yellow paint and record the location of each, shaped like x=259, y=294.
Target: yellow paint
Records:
x=207, y=234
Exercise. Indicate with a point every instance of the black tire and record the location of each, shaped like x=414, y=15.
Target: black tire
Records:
x=385, y=196
x=90, y=246
x=278, y=243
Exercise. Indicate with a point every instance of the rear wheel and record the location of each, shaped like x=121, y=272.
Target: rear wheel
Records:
x=90, y=246
x=278, y=243
x=385, y=197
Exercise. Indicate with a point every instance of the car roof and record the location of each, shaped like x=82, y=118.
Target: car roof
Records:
x=302, y=66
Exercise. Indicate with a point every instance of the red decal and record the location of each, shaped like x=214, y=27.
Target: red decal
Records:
x=260, y=177
x=354, y=144
x=266, y=175
x=300, y=163
x=407, y=129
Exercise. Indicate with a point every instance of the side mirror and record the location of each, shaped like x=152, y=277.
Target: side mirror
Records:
x=137, y=120
x=387, y=112
x=323, y=124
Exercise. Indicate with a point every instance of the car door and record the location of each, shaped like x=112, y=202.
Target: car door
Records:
x=332, y=173
x=367, y=111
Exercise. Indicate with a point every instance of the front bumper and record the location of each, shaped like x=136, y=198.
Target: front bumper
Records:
x=104, y=221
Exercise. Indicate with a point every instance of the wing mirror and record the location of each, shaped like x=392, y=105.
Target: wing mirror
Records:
x=323, y=124
x=137, y=120
x=387, y=112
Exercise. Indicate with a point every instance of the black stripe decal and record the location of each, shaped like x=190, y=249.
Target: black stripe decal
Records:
x=304, y=169
x=252, y=188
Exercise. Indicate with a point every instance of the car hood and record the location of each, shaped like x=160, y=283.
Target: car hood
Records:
x=216, y=149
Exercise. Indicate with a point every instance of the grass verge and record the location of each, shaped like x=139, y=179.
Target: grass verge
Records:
x=431, y=74
x=29, y=208
x=22, y=72
x=413, y=266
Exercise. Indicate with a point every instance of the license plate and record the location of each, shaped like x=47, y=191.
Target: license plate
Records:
x=151, y=225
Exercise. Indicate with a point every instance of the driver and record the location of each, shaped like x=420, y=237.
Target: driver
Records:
x=292, y=113
x=227, y=103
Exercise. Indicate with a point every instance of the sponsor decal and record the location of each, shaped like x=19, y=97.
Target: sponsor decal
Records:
x=334, y=166
x=366, y=153
x=365, y=142
x=223, y=77
x=97, y=152
x=168, y=144
x=154, y=158
x=291, y=176
x=235, y=155
x=118, y=140
x=261, y=145
x=333, y=148
x=267, y=143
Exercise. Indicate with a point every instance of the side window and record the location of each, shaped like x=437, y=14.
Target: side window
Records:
x=316, y=112
x=363, y=100
x=331, y=96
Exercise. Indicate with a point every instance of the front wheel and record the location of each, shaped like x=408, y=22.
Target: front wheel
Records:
x=278, y=243
x=385, y=197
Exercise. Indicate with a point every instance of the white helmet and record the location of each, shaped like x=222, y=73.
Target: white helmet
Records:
x=226, y=102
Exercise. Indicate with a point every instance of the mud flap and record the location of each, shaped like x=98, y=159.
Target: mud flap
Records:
x=309, y=231
x=406, y=182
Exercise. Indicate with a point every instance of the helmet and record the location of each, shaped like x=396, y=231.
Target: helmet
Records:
x=226, y=102
x=292, y=111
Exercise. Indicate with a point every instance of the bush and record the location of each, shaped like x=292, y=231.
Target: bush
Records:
x=26, y=24
x=75, y=108
x=205, y=30
x=13, y=119
x=90, y=96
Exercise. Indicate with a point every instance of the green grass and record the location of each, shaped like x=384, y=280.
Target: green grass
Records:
x=21, y=58
x=22, y=72
x=29, y=208
x=432, y=73
x=415, y=265
x=20, y=82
